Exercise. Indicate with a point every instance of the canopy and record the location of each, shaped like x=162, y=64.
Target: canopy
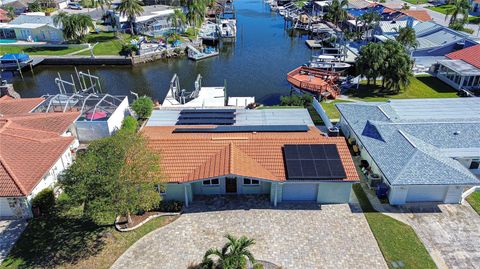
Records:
x=15, y=56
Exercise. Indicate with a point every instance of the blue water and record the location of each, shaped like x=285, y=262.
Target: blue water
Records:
x=7, y=41
x=255, y=65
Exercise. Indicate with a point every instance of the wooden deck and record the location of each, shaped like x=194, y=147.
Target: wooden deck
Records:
x=316, y=81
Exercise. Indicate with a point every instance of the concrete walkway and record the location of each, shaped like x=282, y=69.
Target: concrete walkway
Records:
x=10, y=231
x=292, y=235
x=450, y=232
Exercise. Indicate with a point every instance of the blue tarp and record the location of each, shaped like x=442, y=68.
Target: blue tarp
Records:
x=15, y=56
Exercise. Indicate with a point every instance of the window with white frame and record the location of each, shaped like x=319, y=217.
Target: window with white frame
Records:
x=251, y=182
x=211, y=182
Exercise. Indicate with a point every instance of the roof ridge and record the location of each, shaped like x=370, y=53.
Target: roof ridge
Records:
x=12, y=175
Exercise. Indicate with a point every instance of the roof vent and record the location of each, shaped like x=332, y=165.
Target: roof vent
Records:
x=456, y=132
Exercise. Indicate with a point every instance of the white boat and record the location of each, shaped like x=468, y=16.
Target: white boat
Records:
x=228, y=28
x=197, y=55
x=327, y=62
x=208, y=31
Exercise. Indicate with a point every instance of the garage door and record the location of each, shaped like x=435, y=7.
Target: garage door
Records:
x=300, y=192
x=426, y=194
x=5, y=210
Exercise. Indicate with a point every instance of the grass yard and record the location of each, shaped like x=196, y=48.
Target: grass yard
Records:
x=331, y=110
x=474, y=201
x=419, y=87
x=71, y=242
x=397, y=241
x=441, y=9
x=416, y=2
x=38, y=50
x=109, y=44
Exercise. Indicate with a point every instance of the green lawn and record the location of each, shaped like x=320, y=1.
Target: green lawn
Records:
x=441, y=9
x=38, y=50
x=474, y=201
x=331, y=110
x=419, y=87
x=416, y=2
x=397, y=241
x=109, y=44
x=72, y=242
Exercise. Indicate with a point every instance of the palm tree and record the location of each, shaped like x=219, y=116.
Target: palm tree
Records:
x=460, y=7
x=407, y=37
x=233, y=255
x=371, y=60
x=101, y=3
x=196, y=12
x=130, y=9
x=397, y=67
x=74, y=26
x=10, y=12
x=370, y=19
x=177, y=19
x=336, y=11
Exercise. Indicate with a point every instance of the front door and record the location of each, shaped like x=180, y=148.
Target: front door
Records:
x=231, y=185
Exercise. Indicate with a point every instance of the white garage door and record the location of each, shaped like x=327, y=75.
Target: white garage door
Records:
x=426, y=194
x=5, y=210
x=300, y=192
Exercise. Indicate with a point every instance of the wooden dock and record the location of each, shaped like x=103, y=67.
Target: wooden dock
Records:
x=313, y=44
x=36, y=61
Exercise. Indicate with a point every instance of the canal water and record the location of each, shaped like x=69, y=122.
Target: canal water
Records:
x=255, y=65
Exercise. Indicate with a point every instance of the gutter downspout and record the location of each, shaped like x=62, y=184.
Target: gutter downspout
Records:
x=186, y=194
x=276, y=194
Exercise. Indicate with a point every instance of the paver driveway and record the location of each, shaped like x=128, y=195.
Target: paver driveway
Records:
x=10, y=230
x=293, y=236
x=451, y=233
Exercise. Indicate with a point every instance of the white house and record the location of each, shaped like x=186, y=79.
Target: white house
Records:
x=36, y=28
x=34, y=149
x=425, y=150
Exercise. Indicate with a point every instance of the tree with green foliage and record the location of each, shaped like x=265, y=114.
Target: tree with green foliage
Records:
x=130, y=9
x=143, y=107
x=101, y=3
x=10, y=12
x=397, y=67
x=196, y=13
x=459, y=8
x=117, y=175
x=370, y=21
x=233, y=255
x=130, y=124
x=337, y=12
x=177, y=19
x=407, y=38
x=370, y=61
x=44, y=201
x=74, y=26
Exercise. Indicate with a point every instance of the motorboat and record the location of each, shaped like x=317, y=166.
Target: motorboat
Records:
x=327, y=62
x=228, y=28
x=197, y=55
x=14, y=61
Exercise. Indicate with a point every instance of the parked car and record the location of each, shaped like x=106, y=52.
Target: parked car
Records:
x=76, y=6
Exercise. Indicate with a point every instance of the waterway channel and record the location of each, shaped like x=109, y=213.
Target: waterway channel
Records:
x=255, y=65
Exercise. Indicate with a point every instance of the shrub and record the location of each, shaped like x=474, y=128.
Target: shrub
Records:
x=170, y=206
x=128, y=50
x=143, y=107
x=44, y=201
x=130, y=124
x=296, y=100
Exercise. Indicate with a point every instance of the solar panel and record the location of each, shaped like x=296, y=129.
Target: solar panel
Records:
x=205, y=122
x=194, y=111
x=207, y=116
x=245, y=129
x=313, y=161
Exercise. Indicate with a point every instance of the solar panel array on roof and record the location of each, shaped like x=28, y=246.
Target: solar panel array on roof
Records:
x=314, y=161
x=206, y=117
x=245, y=129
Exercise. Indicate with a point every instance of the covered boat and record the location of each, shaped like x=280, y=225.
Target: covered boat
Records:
x=14, y=61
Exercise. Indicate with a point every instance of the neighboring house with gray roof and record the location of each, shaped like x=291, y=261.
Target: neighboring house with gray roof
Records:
x=36, y=28
x=426, y=150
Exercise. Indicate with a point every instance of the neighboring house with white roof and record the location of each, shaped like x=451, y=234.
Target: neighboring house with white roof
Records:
x=425, y=150
x=36, y=28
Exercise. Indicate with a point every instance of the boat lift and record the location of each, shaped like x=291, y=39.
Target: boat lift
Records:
x=87, y=83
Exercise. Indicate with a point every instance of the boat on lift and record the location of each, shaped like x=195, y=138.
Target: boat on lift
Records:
x=14, y=61
x=228, y=28
x=196, y=55
x=321, y=82
x=327, y=62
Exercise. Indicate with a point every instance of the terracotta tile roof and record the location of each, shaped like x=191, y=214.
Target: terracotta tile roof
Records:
x=9, y=105
x=470, y=55
x=420, y=15
x=192, y=156
x=30, y=144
